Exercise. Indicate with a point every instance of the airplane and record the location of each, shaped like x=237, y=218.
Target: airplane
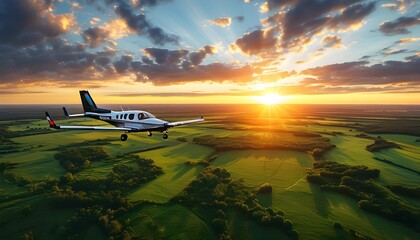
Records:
x=128, y=121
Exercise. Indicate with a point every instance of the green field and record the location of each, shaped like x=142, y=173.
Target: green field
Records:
x=280, y=157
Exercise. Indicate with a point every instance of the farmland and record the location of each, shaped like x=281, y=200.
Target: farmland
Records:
x=203, y=181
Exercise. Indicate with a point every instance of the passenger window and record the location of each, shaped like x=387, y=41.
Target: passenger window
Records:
x=131, y=116
x=116, y=116
x=125, y=116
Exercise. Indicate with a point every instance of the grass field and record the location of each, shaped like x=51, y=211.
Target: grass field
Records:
x=312, y=210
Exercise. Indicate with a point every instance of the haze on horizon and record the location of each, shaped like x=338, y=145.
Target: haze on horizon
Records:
x=185, y=51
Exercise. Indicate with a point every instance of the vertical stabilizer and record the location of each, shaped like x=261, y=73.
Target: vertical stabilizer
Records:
x=88, y=103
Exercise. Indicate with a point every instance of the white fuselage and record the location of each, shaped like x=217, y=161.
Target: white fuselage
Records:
x=135, y=119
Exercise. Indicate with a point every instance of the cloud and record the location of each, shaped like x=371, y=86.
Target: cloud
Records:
x=403, y=41
x=226, y=21
x=165, y=56
x=361, y=73
x=400, y=5
x=399, y=25
x=162, y=75
x=197, y=57
x=240, y=18
x=97, y=35
x=300, y=20
x=140, y=25
x=176, y=57
x=222, y=22
x=258, y=42
x=331, y=41
x=25, y=23
x=55, y=61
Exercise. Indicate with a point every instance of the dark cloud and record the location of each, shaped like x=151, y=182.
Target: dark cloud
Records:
x=304, y=19
x=165, y=56
x=399, y=25
x=240, y=18
x=123, y=64
x=361, y=73
x=178, y=94
x=25, y=23
x=394, y=51
x=171, y=74
x=176, y=57
x=139, y=24
x=95, y=36
x=197, y=57
x=54, y=60
x=257, y=42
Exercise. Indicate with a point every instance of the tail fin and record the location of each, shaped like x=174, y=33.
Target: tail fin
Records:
x=50, y=121
x=88, y=103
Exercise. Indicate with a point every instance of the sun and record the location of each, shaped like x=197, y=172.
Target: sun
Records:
x=270, y=99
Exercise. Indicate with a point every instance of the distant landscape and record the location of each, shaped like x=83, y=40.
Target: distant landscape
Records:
x=247, y=172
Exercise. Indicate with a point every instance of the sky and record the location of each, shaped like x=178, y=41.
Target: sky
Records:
x=210, y=51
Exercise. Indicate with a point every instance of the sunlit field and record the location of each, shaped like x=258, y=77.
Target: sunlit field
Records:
x=184, y=193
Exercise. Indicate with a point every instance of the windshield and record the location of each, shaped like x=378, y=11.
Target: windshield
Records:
x=144, y=115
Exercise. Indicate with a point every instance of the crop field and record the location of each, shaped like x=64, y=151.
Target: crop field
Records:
x=146, y=187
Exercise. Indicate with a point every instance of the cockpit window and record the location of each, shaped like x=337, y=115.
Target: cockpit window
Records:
x=142, y=116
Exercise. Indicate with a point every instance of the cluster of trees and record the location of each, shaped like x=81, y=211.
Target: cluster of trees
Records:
x=357, y=182
x=292, y=141
x=265, y=188
x=215, y=188
x=205, y=163
x=381, y=144
x=102, y=200
x=76, y=159
x=408, y=191
x=325, y=171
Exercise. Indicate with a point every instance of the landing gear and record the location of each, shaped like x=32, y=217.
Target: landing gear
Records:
x=165, y=135
x=124, y=137
x=149, y=134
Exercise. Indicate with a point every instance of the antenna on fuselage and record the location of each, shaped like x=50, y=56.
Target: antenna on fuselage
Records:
x=122, y=110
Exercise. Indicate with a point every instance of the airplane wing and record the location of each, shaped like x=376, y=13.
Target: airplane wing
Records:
x=174, y=124
x=53, y=125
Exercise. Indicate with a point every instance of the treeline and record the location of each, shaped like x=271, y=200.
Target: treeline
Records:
x=356, y=182
x=288, y=141
x=403, y=126
x=75, y=159
x=381, y=144
x=413, y=192
x=206, y=162
x=214, y=188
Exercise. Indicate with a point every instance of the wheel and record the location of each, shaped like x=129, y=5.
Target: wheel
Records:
x=165, y=136
x=124, y=137
x=149, y=134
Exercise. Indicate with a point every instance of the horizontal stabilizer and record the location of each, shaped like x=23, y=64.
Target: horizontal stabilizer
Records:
x=66, y=113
